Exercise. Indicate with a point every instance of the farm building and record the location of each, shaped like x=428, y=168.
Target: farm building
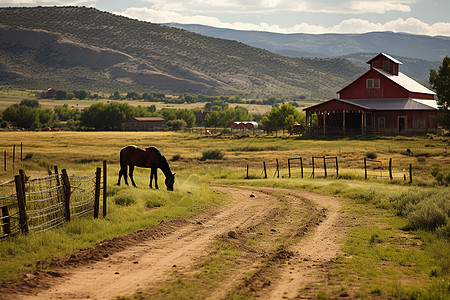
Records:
x=143, y=124
x=381, y=101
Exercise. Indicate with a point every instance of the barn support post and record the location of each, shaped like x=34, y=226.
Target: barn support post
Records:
x=20, y=192
x=265, y=170
x=325, y=166
x=343, y=123
x=97, y=192
x=301, y=166
x=324, y=124
x=390, y=168
x=6, y=223
x=66, y=191
x=105, y=186
x=365, y=168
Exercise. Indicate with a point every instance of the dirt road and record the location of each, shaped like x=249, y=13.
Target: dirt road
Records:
x=286, y=240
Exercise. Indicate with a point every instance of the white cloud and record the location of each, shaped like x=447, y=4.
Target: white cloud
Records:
x=268, y=6
x=354, y=25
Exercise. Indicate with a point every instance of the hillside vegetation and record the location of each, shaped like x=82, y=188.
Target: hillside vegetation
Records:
x=77, y=47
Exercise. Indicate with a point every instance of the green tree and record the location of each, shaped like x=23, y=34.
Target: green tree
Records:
x=283, y=117
x=81, y=94
x=60, y=94
x=30, y=103
x=440, y=81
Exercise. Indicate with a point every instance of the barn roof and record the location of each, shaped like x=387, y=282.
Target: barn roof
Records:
x=406, y=82
x=380, y=104
x=388, y=57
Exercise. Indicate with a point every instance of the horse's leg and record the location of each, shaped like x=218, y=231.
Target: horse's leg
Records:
x=123, y=172
x=131, y=175
x=151, y=178
x=155, y=174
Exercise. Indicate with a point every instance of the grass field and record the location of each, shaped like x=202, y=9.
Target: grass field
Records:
x=375, y=243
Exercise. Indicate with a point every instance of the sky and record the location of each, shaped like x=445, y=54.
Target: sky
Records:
x=428, y=17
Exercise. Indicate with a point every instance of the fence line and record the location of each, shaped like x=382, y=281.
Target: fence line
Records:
x=325, y=166
x=40, y=204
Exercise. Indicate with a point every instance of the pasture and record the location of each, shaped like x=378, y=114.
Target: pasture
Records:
x=396, y=262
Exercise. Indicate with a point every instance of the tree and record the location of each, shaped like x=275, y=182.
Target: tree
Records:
x=30, y=103
x=81, y=94
x=440, y=81
x=60, y=94
x=283, y=117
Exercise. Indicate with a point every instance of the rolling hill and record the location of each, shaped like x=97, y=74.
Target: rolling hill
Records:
x=78, y=47
x=418, y=53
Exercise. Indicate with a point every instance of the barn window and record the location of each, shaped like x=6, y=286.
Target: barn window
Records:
x=386, y=65
x=373, y=83
x=418, y=123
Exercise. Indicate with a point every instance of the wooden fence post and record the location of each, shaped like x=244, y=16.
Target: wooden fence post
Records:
x=22, y=177
x=365, y=168
x=390, y=168
x=20, y=192
x=278, y=169
x=410, y=173
x=4, y=161
x=289, y=167
x=21, y=151
x=66, y=189
x=247, y=173
x=325, y=166
x=97, y=192
x=6, y=221
x=312, y=167
x=337, y=168
x=265, y=170
x=104, y=188
x=301, y=165
x=14, y=155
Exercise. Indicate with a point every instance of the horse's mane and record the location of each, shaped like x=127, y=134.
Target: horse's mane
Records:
x=165, y=163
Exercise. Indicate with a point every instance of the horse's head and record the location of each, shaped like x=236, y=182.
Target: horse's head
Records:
x=170, y=180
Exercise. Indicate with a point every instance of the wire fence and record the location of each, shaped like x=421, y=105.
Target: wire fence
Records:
x=40, y=204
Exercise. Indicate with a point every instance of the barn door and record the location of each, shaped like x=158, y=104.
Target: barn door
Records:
x=401, y=124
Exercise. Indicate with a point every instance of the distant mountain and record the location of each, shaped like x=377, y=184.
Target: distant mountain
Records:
x=77, y=47
x=333, y=45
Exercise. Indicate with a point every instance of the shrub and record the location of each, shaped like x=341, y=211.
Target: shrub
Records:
x=151, y=203
x=176, y=157
x=371, y=155
x=428, y=215
x=124, y=200
x=212, y=154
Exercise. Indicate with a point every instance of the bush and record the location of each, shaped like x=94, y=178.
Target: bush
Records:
x=212, y=154
x=124, y=200
x=175, y=157
x=428, y=215
x=371, y=155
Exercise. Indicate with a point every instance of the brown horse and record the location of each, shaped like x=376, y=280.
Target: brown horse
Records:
x=150, y=157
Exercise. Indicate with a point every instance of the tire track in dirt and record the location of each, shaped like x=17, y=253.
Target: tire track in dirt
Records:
x=151, y=262
x=179, y=250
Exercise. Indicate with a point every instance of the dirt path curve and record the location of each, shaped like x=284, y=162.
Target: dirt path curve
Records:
x=156, y=261
x=313, y=253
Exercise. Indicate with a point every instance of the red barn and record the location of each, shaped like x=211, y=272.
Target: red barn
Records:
x=383, y=100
